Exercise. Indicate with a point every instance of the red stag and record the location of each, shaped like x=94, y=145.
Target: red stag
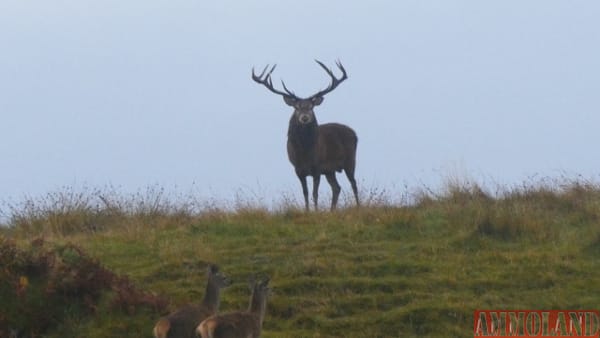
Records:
x=314, y=149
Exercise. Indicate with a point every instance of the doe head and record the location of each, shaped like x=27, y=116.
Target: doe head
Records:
x=217, y=277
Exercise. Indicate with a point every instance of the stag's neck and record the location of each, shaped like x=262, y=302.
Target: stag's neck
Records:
x=303, y=136
x=211, y=298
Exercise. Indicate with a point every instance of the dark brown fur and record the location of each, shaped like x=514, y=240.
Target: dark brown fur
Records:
x=314, y=149
x=246, y=324
x=183, y=322
x=240, y=324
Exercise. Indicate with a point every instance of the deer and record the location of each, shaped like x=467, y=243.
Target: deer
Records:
x=314, y=149
x=183, y=322
x=247, y=324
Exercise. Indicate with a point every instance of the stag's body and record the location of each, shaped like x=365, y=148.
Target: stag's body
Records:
x=183, y=322
x=246, y=324
x=322, y=150
x=314, y=149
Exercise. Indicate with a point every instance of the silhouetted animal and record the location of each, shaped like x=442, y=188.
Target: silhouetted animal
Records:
x=315, y=149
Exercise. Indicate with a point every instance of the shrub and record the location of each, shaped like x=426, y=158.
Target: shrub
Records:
x=43, y=284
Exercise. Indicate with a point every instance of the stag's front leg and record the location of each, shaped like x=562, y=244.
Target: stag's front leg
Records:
x=304, y=189
x=316, y=180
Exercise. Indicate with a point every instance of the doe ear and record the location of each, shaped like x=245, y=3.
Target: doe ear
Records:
x=290, y=101
x=317, y=100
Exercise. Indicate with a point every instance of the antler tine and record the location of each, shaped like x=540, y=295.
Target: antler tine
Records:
x=265, y=79
x=334, y=81
x=258, y=77
x=287, y=90
x=341, y=67
x=325, y=67
x=261, y=73
x=271, y=71
x=261, y=76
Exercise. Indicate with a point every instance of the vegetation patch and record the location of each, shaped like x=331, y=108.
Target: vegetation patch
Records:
x=43, y=285
x=112, y=266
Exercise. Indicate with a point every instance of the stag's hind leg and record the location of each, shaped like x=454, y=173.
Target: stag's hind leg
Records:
x=335, y=189
x=350, y=174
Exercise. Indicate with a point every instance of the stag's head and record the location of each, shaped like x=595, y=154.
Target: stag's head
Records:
x=303, y=107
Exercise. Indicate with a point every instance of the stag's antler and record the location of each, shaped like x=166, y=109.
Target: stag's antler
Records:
x=334, y=81
x=265, y=79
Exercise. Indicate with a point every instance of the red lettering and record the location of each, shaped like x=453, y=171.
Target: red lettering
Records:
x=536, y=323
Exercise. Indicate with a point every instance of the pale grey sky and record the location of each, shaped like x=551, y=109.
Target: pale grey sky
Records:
x=136, y=93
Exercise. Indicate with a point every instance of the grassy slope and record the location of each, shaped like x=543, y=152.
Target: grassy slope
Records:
x=374, y=272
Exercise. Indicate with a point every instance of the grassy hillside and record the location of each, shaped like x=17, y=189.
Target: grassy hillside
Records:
x=380, y=271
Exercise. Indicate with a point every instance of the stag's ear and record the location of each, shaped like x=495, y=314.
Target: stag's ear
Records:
x=290, y=101
x=317, y=100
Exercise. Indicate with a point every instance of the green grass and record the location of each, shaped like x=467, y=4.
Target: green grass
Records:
x=380, y=271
